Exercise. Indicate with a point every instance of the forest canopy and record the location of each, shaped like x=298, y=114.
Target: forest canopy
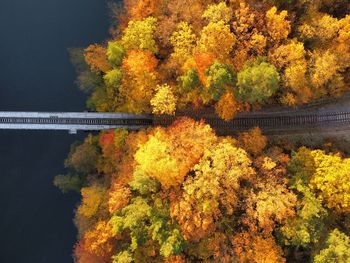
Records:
x=242, y=53
x=182, y=193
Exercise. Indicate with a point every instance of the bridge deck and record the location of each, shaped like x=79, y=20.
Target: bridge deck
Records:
x=72, y=121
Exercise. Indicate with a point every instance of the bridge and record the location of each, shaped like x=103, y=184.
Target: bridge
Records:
x=72, y=121
x=285, y=121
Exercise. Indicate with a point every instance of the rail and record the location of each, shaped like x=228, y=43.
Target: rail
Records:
x=270, y=122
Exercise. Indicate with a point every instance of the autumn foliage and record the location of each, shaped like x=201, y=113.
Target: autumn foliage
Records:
x=181, y=193
x=291, y=54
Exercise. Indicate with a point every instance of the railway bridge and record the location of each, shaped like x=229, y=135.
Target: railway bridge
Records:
x=72, y=121
x=93, y=121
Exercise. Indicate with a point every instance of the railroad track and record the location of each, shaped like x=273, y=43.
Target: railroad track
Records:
x=273, y=121
x=262, y=121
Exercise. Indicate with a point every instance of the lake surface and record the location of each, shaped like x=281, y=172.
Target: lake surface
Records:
x=35, y=75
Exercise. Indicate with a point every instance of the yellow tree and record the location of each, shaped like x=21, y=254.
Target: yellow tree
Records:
x=113, y=78
x=245, y=21
x=327, y=33
x=183, y=40
x=324, y=67
x=164, y=100
x=115, y=53
x=342, y=47
x=295, y=78
x=308, y=226
x=257, y=249
x=218, y=12
x=216, y=38
x=99, y=241
x=257, y=43
x=277, y=25
x=271, y=205
x=169, y=154
x=331, y=180
x=290, y=57
x=139, y=80
x=326, y=27
x=289, y=99
x=228, y=164
x=287, y=54
x=319, y=26
x=211, y=193
x=248, y=26
x=155, y=160
x=93, y=199
x=139, y=35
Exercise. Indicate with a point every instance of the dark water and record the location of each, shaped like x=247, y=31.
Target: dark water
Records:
x=35, y=75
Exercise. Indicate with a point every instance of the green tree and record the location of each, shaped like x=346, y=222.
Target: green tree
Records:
x=308, y=225
x=77, y=58
x=123, y=257
x=144, y=184
x=148, y=219
x=113, y=78
x=87, y=81
x=83, y=158
x=115, y=53
x=168, y=235
x=220, y=77
x=99, y=100
x=107, y=98
x=133, y=218
x=188, y=81
x=257, y=82
x=67, y=183
x=337, y=249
